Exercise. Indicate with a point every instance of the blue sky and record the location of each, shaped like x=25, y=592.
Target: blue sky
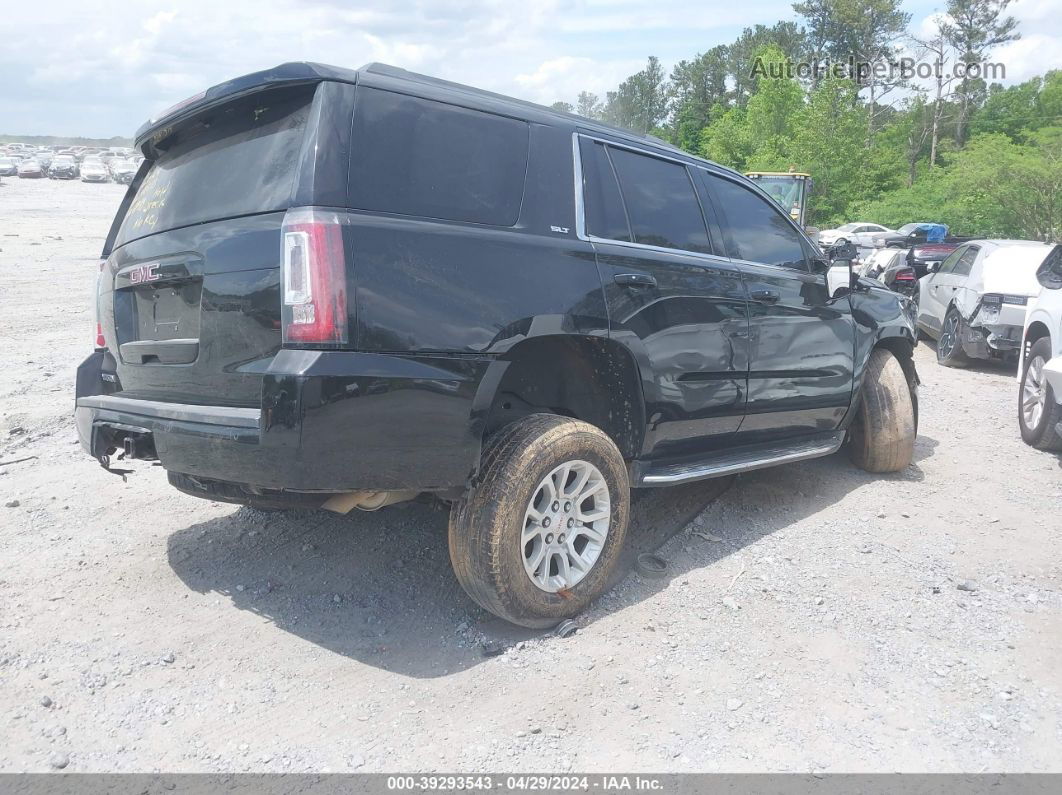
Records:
x=101, y=69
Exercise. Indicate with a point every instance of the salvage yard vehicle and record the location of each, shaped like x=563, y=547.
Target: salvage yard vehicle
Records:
x=974, y=303
x=94, y=171
x=861, y=233
x=122, y=171
x=337, y=288
x=1040, y=368
x=8, y=166
x=63, y=167
x=30, y=169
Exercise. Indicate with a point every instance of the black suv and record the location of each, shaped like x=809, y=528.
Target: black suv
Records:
x=339, y=289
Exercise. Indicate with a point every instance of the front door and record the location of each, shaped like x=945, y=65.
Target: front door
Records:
x=802, y=341
x=677, y=305
x=937, y=289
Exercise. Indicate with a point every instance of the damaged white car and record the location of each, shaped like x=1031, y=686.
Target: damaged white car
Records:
x=1040, y=372
x=974, y=302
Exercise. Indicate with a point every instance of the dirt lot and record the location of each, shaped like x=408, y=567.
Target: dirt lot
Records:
x=813, y=619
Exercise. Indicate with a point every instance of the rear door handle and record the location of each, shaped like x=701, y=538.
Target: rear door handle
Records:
x=634, y=280
x=765, y=296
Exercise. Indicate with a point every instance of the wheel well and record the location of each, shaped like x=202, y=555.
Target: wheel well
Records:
x=588, y=378
x=1037, y=331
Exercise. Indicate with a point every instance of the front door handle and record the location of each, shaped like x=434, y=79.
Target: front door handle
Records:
x=634, y=280
x=765, y=296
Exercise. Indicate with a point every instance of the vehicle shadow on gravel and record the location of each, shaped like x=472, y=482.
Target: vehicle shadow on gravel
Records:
x=378, y=588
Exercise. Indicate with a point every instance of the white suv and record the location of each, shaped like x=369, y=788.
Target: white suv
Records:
x=1040, y=368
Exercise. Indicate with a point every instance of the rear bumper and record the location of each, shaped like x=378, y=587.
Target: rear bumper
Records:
x=328, y=421
x=997, y=339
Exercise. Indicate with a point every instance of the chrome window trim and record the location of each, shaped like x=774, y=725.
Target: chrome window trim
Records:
x=580, y=208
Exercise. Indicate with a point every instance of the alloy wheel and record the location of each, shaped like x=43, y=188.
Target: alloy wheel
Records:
x=1033, y=394
x=948, y=335
x=565, y=526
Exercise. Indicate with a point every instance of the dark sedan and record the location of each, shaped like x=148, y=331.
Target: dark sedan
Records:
x=63, y=167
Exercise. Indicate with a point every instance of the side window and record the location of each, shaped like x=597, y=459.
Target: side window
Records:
x=414, y=156
x=966, y=261
x=758, y=231
x=602, y=203
x=660, y=200
x=949, y=263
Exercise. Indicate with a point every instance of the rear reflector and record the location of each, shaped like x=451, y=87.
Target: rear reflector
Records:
x=314, y=274
x=101, y=341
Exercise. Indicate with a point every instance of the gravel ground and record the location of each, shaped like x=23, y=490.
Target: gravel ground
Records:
x=817, y=617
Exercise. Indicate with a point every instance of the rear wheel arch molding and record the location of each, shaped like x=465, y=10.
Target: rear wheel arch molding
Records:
x=1037, y=329
x=591, y=378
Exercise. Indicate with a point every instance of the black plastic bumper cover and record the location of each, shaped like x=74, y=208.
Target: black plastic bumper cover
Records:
x=328, y=421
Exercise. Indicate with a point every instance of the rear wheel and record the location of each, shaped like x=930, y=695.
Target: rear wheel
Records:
x=883, y=435
x=536, y=537
x=949, y=344
x=1038, y=411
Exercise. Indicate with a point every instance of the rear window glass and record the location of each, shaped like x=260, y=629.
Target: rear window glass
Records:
x=414, y=156
x=605, y=216
x=237, y=160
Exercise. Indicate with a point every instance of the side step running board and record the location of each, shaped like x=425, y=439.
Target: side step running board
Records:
x=731, y=462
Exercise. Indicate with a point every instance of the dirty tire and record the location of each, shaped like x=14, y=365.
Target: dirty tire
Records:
x=1043, y=436
x=883, y=434
x=486, y=524
x=951, y=354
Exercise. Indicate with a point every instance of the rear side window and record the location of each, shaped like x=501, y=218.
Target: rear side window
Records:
x=414, y=156
x=237, y=160
x=759, y=232
x=660, y=200
x=948, y=265
x=605, y=216
x=966, y=261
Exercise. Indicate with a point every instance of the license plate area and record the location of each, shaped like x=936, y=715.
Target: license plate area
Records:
x=157, y=316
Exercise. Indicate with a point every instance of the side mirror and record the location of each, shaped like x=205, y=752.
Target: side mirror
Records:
x=820, y=267
x=932, y=267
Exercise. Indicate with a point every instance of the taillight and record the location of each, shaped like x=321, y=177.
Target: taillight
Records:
x=101, y=341
x=906, y=275
x=314, y=276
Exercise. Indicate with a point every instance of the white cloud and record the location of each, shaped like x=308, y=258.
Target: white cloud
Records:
x=81, y=68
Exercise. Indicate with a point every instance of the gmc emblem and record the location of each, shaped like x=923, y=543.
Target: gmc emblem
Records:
x=144, y=273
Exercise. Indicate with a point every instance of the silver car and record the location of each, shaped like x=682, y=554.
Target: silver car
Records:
x=974, y=302
x=861, y=233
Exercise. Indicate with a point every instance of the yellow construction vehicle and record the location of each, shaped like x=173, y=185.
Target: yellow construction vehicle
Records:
x=789, y=188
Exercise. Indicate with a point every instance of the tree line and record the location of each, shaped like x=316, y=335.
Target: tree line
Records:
x=950, y=146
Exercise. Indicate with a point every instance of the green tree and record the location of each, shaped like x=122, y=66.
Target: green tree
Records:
x=640, y=102
x=726, y=140
x=974, y=29
x=564, y=107
x=696, y=86
x=829, y=143
x=1007, y=189
x=588, y=105
x=771, y=114
x=741, y=55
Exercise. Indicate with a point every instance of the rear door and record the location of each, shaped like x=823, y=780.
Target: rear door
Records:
x=189, y=298
x=802, y=342
x=672, y=299
x=940, y=287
